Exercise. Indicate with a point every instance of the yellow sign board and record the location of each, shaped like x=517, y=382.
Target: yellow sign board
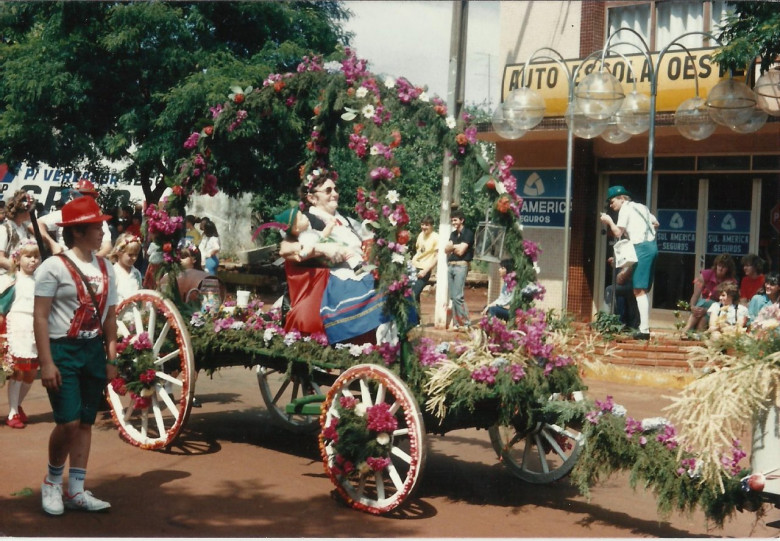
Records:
x=676, y=77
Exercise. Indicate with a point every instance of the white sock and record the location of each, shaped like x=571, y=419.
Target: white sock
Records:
x=23, y=391
x=76, y=478
x=14, y=388
x=643, y=306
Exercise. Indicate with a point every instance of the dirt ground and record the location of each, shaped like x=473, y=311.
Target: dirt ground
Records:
x=233, y=473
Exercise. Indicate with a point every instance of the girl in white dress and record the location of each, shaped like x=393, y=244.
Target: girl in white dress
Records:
x=21, y=354
x=123, y=256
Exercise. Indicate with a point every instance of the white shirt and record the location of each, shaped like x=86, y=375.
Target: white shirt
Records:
x=638, y=221
x=207, y=245
x=5, y=240
x=127, y=283
x=53, y=279
x=731, y=314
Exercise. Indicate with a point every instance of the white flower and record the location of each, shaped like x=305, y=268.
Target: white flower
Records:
x=237, y=325
x=383, y=438
x=368, y=111
x=397, y=258
x=654, y=423
x=361, y=92
x=393, y=220
x=334, y=66
x=360, y=408
x=537, y=268
x=619, y=410
x=268, y=334
x=342, y=346
x=451, y=122
x=424, y=97
x=374, y=150
x=392, y=196
x=389, y=82
x=355, y=350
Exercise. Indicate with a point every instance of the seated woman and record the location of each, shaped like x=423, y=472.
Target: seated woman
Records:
x=769, y=295
x=500, y=307
x=705, y=285
x=325, y=295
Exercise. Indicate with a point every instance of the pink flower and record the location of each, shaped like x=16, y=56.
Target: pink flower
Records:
x=142, y=342
x=377, y=463
x=147, y=377
x=192, y=140
x=379, y=418
x=348, y=402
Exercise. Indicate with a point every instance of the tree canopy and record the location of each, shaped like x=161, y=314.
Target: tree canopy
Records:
x=751, y=31
x=85, y=81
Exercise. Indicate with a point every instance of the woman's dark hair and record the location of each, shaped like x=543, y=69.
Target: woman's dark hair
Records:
x=727, y=261
x=20, y=202
x=508, y=264
x=730, y=289
x=754, y=261
x=772, y=278
x=67, y=233
x=209, y=229
x=427, y=220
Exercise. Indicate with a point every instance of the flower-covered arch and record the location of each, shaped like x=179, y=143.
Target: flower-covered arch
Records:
x=351, y=108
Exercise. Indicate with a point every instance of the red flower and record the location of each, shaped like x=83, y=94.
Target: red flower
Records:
x=178, y=190
x=238, y=98
x=396, y=139
x=503, y=205
x=278, y=86
x=403, y=236
x=350, y=92
x=208, y=130
x=357, y=128
x=461, y=139
x=119, y=386
x=317, y=110
x=167, y=247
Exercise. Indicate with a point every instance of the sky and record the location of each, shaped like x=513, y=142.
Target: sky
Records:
x=412, y=39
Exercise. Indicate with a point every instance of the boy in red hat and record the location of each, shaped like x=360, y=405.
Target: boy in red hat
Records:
x=75, y=312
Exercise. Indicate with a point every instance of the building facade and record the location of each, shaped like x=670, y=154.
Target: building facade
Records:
x=717, y=195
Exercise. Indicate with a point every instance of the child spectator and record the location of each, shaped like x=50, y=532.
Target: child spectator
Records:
x=728, y=313
x=21, y=355
x=209, y=247
x=123, y=256
x=500, y=307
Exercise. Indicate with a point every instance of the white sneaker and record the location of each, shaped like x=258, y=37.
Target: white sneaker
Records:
x=85, y=501
x=51, y=497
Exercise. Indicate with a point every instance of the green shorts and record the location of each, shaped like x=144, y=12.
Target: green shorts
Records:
x=82, y=365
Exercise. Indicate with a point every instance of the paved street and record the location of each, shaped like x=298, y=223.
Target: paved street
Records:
x=234, y=473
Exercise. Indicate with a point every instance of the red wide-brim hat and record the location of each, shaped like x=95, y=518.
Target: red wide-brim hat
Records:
x=83, y=210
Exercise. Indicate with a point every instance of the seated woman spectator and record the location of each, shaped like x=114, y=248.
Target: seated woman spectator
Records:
x=728, y=313
x=500, y=307
x=705, y=290
x=767, y=296
x=753, y=280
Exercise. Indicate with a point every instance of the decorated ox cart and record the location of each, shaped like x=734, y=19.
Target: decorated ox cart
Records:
x=373, y=403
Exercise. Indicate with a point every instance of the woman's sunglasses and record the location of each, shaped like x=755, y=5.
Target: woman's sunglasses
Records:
x=327, y=191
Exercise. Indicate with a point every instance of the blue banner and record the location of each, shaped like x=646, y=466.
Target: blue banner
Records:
x=544, y=197
x=728, y=232
x=677, y=232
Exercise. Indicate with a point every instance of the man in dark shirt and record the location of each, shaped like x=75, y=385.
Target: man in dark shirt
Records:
x=460, y=252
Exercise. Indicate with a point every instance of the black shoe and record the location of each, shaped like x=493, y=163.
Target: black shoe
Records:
x=196, y=403
x=641, y=336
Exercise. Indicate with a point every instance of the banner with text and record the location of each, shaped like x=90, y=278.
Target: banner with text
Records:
x=677, y=232
x=728, y=232
x=544, y=197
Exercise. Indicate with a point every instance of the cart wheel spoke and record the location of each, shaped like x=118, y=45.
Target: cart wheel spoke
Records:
x=543, y=454
x=156, y=424
x=278, y=388
x=381, y=491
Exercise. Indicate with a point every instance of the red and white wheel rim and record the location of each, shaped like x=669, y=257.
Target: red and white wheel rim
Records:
x=159, y=424
x=382, y=491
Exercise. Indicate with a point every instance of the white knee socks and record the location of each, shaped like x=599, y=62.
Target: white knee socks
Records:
x=643, y=306
x=14, y=388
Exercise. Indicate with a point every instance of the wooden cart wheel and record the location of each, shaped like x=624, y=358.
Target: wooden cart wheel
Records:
x=158, y=425
x=278, y=388
x=381, y=491
x=542, y=455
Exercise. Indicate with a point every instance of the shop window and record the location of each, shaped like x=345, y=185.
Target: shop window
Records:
x=766, y=163
x=672, y=19
x=676, y=163
x=621, y=164
x=724, y=163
